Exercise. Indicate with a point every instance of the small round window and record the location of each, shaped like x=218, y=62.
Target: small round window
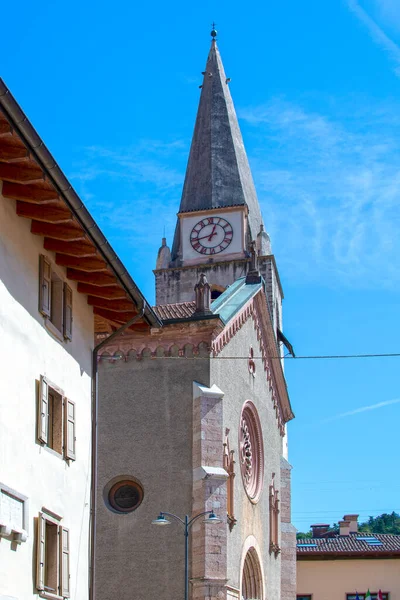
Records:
x=125, y=496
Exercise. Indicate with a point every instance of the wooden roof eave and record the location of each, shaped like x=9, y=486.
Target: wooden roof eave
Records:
x=52, y=173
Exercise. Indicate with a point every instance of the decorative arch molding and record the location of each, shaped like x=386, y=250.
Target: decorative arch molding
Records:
x=252, y=582
x=253, y=310
x=188, y=350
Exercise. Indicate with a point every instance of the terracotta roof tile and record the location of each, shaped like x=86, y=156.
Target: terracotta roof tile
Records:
x=349, y=544
x=179, y=310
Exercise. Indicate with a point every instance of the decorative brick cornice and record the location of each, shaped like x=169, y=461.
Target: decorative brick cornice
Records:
x=193, y=339
x=256, y=308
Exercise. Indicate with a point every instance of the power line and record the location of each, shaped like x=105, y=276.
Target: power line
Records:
x=311, y=357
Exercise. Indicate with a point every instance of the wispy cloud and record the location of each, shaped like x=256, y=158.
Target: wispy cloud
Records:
x=329, y=190
x=362, y=409
x=131, y=190
x=377, y=33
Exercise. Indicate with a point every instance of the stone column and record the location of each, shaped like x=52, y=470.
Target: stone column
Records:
x=208, y=542
x=288, y=536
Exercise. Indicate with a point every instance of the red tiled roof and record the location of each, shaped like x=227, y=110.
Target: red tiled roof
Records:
x=349, y=545
x=179, y=310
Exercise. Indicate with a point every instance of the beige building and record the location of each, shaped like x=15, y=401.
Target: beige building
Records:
x=339, y=566
x=57, y=275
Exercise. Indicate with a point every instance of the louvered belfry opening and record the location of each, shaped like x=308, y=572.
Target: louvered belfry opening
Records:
x=252, y=587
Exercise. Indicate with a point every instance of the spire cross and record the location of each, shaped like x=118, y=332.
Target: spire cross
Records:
x=213, y=31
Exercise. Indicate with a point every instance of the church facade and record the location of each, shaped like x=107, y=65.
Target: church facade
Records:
x=192, y=415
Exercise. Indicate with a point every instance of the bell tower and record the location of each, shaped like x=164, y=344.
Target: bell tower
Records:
x=219, y=216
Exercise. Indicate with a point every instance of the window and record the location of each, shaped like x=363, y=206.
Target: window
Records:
x=361, y=596
x=13, y=514
x=125, y=496
x=55, y=299
x=251, y=451
x=229, y=466
x=56, y=420
x=273, y=518
x=52, y=568
x=304, y=597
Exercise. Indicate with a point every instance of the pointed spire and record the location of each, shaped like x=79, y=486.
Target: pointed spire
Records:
x=164, y=255
x=203, y=296
x=218, y=173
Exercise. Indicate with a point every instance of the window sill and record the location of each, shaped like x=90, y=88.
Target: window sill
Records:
x=44, y=594
x=56, y=333
x=52, y=451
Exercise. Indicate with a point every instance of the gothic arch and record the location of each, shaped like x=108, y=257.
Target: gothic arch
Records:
x=251, y=576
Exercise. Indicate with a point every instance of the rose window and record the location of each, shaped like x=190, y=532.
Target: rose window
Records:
x=251, y=451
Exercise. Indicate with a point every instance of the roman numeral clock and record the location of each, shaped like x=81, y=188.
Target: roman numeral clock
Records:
x=211, y=235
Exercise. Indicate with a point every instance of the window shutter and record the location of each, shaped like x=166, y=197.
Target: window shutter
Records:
x=43, y=412
x=41, y=552
x=44, y=286
x=67, y=315
x=69, y=431
x=64, y=563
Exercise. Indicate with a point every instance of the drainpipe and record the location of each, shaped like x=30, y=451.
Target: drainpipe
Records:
x=92, y=549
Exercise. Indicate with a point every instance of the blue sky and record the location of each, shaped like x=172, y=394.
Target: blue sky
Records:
x=113, y=91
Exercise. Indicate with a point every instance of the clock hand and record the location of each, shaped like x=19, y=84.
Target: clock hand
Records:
x=212, y=234
x=205, y=236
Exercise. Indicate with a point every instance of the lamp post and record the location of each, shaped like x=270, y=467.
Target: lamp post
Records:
x=187, y=522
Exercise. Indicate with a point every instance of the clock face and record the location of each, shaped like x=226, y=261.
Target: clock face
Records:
x=211, y=235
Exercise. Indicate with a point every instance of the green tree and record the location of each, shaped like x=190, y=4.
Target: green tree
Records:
x=385, y=523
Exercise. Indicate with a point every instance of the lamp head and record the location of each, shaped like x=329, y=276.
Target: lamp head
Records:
x=212, y=519
x=161, y=520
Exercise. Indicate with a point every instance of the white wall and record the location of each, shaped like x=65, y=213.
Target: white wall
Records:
x=28, y=350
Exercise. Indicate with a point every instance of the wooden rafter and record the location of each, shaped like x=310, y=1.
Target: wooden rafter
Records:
x=96, y=279
x=29, y=193
x=111, y=291
x=114, y=316
x=121, y=306
x=68, y=232
x=54, y=213
x=82, y=248
x=12, y=150
x=90, y=264
x=26, y=172
x=5, y=129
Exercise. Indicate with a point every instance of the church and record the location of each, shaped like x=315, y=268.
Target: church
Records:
x=192, y=414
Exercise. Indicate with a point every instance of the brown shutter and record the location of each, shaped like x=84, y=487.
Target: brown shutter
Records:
x=41, y=551
x=69, y=429
x=64, y=562
x=44, y=286
x=43, y=410
x=67, y=312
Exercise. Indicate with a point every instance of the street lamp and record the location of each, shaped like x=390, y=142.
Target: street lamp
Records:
x=161, y=520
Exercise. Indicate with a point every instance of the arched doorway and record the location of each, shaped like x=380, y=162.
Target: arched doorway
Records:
x=252, y=583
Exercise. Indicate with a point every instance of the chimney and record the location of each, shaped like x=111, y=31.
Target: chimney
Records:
x=319, y=529
x=353, y=522
x=203, y=296
x=344, y=527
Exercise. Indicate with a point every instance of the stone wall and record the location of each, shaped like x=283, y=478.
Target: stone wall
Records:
x=288, y=536
x=177, y=285
x=234, y=378
x=145, y=431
